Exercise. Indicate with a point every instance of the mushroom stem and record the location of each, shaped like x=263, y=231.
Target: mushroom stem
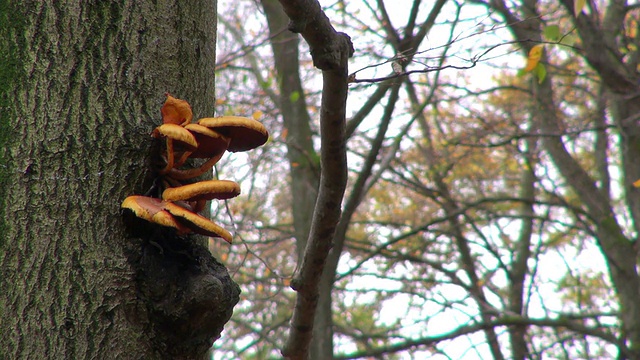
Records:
x=183, y=158
x=191, y=173
x=169, y=165
x=198, y=206
x=168, y=182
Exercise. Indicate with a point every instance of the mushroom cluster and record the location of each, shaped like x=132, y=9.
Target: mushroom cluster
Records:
x=179, y=204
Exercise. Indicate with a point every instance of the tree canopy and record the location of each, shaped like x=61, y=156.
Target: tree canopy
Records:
x=490, y=208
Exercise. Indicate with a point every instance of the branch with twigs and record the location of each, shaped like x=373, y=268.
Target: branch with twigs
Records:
x=330, y=51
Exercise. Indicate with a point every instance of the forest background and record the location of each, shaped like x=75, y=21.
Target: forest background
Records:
x=490, y=210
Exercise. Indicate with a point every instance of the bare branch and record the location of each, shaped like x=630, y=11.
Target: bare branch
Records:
x=330, y=51
x=574, y=326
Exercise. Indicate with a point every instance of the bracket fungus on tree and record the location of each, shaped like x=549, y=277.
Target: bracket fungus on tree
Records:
x=176, y=111
x=210, y=138
x=187, y=293
x=244, y=133
x=178, y=139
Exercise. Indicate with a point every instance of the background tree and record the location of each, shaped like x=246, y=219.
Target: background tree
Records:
x=82, y=85
x=486, y=214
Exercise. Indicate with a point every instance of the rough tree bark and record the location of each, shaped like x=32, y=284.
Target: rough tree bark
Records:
x=81, y=87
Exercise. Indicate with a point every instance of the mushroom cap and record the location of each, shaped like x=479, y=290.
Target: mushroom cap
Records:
x=203, y=190
x=197, y=223
x=152, y=210
x=245, y=133
x=180, y=135
x=176, y=111
x=210, y=142
x=142, y=206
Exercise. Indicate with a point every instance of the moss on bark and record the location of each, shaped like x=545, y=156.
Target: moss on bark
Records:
x=81, y=87
x=11, y=73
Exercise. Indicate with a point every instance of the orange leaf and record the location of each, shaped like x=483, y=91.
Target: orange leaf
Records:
x=535, y=54
x=176, y=111
x=284, y=134
x=636, y=183
x=256, y=115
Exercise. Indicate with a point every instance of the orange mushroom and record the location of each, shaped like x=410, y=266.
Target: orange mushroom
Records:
x=211, y=144
x=176, y=111
x=152, y=210
x=203, y=190
x=208, y=139
x=184, y=140
x=172, y=215
x=197, y=223
x=245, y=133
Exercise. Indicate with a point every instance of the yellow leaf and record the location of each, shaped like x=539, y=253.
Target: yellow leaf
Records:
x=535, y=54
x=220, y=101
x=578, y=5
x=632, y=30
x=256, y=115
x=636, y=183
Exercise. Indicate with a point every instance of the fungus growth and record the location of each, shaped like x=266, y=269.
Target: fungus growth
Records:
x=209, y=139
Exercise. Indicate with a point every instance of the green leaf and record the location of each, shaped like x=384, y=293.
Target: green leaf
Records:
x=552, y=32
x=294, y=96
x=540, y=72
x=266, y=84
x=569, y=40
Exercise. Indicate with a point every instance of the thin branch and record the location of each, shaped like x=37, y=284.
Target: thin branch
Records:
x=330, y=52
x=574, y=326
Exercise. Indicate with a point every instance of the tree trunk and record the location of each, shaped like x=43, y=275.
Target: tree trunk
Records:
x=522, y=252
x=81, y=88
x=304, y=163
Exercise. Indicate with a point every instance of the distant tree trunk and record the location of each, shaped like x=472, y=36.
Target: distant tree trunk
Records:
x=620, y=80
x=304, y=162
x=81, y=87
